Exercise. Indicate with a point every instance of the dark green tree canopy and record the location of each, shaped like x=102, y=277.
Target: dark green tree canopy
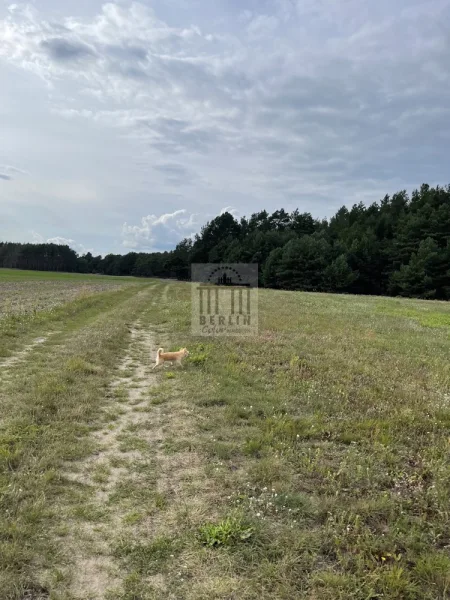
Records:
x=398, y=246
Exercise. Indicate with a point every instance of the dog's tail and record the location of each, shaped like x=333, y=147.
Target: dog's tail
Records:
x=160, y=351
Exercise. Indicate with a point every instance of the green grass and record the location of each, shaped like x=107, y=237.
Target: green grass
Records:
x=147, y=559
x=46, y=411
x=309, y=461
x=425, y=315
x=330, y=430
x=24, y=275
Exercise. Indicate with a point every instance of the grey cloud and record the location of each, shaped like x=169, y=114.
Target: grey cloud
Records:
x=177, y=135
x=171, y=126
x=61, y=49
x=193, y=141
x=127, y=60
x=5, y=177
x=300, y=92
x=198, y=139
x=126, y=52
x=128, y=71
x=175, y=174
x=172, y=170
x=336, y=105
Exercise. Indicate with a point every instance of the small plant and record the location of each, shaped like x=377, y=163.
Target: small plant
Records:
x=199, y=354
x=253, y=447
x=198, y=359
x=227, y=533
x=301, y=368
x=170, y=375
x=79, y=365
x=222, y=450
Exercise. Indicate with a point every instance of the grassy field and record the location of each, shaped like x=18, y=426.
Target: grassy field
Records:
x=28, y=299
x=310, y=461
x=8, y=275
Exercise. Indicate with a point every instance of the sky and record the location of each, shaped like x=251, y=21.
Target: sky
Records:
x=125, y=126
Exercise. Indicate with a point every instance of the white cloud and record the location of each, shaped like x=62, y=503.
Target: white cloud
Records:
x=233, y=211
x=159, y=233
x=8, y=172
x=37, y=238
x=60, y=241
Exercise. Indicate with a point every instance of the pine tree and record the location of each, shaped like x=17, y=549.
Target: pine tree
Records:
x=271, y=269
x=416, y=278
x=338, y=275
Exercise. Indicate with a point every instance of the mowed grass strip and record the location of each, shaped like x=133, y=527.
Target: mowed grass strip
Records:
x=326, y=444
x=49, y=404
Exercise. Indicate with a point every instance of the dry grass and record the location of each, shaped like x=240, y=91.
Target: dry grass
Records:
x=29, y=297
x=48, y=403
x=310, y=461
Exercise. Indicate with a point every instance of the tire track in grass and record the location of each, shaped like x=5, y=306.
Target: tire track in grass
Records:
x=142, y=491
x=22, y=354
x=131, y=478
x=94, y=569
x=49, y=401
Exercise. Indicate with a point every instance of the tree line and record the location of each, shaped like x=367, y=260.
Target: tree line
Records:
x=398, y=246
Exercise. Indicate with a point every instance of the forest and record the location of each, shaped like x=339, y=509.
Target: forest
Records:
x=399, y=246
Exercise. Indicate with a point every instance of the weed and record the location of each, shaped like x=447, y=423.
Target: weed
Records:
x=229, y=532
x=198, y=359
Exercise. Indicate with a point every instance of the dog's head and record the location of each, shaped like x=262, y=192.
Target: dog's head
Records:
x=185, y=351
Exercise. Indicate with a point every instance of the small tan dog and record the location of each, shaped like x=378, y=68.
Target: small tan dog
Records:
x=173, y=357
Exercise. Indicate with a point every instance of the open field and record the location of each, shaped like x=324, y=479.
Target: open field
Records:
x=310, y=461
x=28, y=298
x=8, y=275
x=22, y=298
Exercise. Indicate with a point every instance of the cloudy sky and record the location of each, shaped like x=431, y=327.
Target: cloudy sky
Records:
x=126, y=125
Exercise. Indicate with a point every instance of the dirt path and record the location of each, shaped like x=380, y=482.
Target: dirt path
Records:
x=165, y=293
x=20, y=355
x=135, y=485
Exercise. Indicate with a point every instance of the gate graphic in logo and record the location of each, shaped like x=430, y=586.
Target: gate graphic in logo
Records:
x=224, y=299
